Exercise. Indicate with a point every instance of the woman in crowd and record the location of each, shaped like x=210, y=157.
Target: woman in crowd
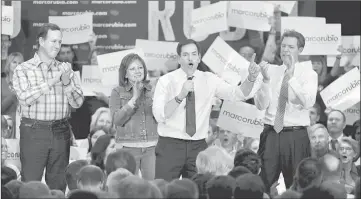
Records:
x=101, y=118
x=9, y=102
x=349, y=151
x=95, y=134
x=251, y=144
x=131, y=108
x=103, y=146
x=214, y=160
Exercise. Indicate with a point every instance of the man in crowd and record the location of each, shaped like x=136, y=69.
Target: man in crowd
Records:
x=46, y=90
x=5, y=45
x=319, y=141
x=336, y=123
x=182, y=105
x=284, y=141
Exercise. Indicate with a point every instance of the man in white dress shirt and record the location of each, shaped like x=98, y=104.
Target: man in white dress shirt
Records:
x=182, y=106
x=284, y=141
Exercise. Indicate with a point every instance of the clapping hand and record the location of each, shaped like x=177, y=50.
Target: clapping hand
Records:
x=253, y=69
x=264, y=71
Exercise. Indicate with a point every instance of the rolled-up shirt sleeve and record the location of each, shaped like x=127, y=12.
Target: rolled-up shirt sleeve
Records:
x=160, y=100
x=120, y=109
x=303, y=89
x=226, y=91
x=27, y=94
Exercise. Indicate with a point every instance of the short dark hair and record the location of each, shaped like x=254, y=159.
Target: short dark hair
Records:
x=14, y=186
x=126, y=61
x=201, y=180
x=71, y=173
x=78, y=194
x=120, y=159
x=186, y=42
x=90, y=175
x=307, y=173
x=7, y=175
x=221, y=187
x=249, y=186
x=43, y=31
x=6, y=193
x=336, y=110
x=300, y=38
x=248, y=159
x=238, y=171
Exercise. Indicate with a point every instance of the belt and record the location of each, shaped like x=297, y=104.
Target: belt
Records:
x=50, y=123
x=286, y=128
x=180, y=140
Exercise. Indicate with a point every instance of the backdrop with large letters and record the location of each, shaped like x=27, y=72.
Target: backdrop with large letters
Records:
x=119, y=23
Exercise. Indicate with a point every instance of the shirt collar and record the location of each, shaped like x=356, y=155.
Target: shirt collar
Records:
x=37, y=61
x=184, y=74
x=338, y=139
x=146, y=83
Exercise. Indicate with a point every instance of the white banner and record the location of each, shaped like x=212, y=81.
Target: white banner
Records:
x=13, y=156
x=92, y=81
x=241, y=118
x=252, y=15
x=158, y=54
x=285, y=6
x=352, y=114
x=76, y=29
x=351, y=48
x=209, y=19
x=226, y=62
x=7, y=20
x=109, y=65
x=344, y=92
x=321, y=39
x=77, y=153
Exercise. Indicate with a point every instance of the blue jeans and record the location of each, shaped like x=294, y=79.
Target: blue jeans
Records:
x=145, y=158
x=44, y=144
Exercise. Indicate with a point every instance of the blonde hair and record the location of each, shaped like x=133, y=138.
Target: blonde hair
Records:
x=8, y=71
x=96, y=115
x=214, y=160
x=314, y=127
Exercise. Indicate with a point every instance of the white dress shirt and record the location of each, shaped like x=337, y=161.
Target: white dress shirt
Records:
x=303, y=83
x=337, y=143
x=206, y=86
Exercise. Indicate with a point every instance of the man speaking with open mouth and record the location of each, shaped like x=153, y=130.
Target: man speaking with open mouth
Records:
x=182, y=106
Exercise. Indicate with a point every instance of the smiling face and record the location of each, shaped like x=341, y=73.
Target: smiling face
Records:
x=51, y=43
x=135, y=71
x=289, y=47
x=189, y=58
x=104, y=120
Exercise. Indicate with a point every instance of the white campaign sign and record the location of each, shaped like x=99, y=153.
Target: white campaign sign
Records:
x=13, y=156
x=321, y=39
x=241, y=118
x=92, y=81
x=76, y=29
x=157, y=53
x=285, y=6
x=110, y=63
x=351, y=48
x=344, y=92
x=77, y=153
x=252, y=15
x=226, y=62
x=7, y=20
x=352, y=114
x=209, y=19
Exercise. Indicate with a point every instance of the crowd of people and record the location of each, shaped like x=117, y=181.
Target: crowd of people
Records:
x=159, y=139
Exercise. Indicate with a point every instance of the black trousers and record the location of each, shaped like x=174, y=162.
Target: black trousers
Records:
x=282, y=152
x=176, y=157
x=45, y=144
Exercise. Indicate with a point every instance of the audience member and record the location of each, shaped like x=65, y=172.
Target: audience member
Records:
x=101, y=117
x=319, y=139
x=336, y=123
x=248, y=159
x=57, y=194
x=336, y=190
x=187, y=184
x=96, y=133
x=249, y=186
x=115, y=177
x=82, y=194
x=238, y=171
x=71, y=173
x=14, y=187
x=162, y=185
x=331, y=168
x=251, y=144
x=214, y=160
x=221, y=187
x=356, y=133
x=6, y=193
x=289, y=194
x=101, y=149
x=7, y=175
x=91, y=178
x=34, y=189
x=201, y=181
x=308, y=173
x=120, y=159
x=175, y=191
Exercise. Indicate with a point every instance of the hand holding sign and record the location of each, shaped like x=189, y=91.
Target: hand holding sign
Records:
x=253, y=69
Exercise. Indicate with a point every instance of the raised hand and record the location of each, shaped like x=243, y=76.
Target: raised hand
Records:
x=264, y=70
x=253, y=69
x=137, y=89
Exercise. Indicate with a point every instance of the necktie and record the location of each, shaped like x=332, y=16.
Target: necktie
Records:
x=190, y=113
x=333, y=144
x=282, y=100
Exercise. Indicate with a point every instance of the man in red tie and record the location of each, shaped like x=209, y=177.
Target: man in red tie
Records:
x=284, y=141
x=182, y=105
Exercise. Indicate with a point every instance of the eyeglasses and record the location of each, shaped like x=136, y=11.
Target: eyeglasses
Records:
x=346, y=148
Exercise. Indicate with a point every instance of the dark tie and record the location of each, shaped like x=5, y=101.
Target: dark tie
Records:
x=282, y=101
x=333, y=144
x=190, y=113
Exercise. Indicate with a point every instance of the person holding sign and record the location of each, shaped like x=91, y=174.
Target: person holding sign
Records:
x=131, y=107
x=46, y=90
x=182, y=105
x=284, y=141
